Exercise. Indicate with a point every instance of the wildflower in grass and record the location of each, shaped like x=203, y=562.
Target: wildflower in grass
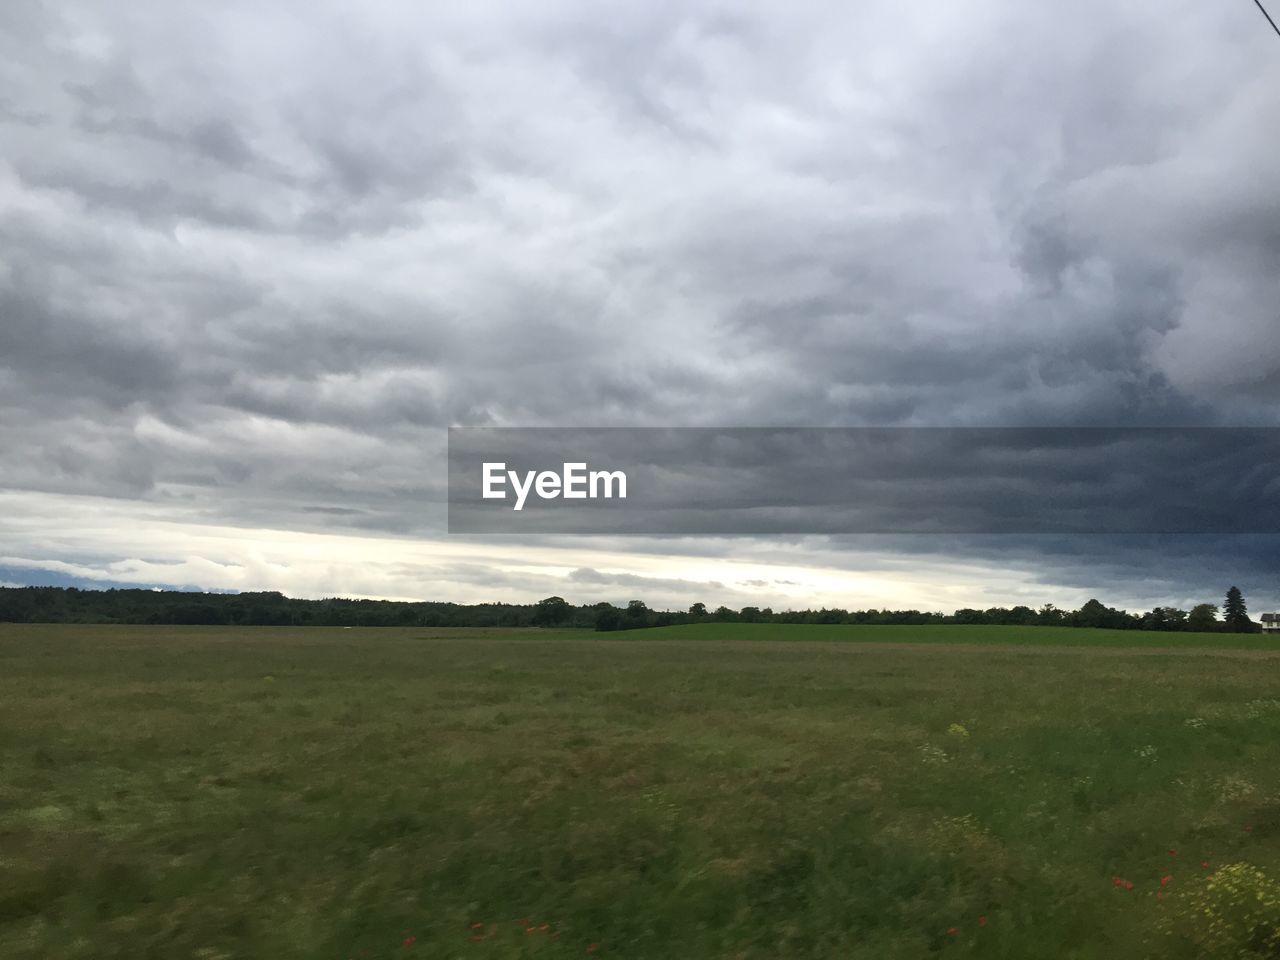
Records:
x=1234, y=788
x=961, y=836
x=958, y=731
x=1255, y=709
x=410, y=941
x=476, y=926
x=1164, y=881
x=593, y=948
x=1173, y=853
x=933, y=756
x=1204, y=864
x=982, y=921
x=952, y=931
x=1235, y=912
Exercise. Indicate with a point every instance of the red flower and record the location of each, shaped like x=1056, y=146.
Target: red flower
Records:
x=1173, y=853
x=410, y=941
x=477, y=939
x=476, y=926
x=952, y=931
x=593, y=948
x=982, y=921
x=1204, y=864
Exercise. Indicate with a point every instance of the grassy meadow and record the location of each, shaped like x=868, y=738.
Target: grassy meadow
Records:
x=720, y=791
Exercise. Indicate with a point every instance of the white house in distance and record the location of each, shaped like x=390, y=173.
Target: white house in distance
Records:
x=1271, y=623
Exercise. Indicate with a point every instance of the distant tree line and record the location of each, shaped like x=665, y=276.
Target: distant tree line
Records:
x=1200, y=618
x=269, y=608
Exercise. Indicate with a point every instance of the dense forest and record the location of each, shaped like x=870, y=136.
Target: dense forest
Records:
x=72, y=605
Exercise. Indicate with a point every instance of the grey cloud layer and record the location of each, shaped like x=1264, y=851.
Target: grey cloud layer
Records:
x=253, y=257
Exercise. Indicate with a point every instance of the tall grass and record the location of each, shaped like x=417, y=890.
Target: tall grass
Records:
x=276, y=794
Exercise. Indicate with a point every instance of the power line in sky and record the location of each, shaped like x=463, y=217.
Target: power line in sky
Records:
x=1268, y=16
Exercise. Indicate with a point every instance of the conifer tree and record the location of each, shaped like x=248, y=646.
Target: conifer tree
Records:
x=1234, y=612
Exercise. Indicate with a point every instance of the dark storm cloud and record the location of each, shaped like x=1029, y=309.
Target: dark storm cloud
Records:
x=254, y=258
x=83, y=358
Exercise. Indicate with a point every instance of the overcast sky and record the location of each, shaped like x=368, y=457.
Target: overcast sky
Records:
x=256, y=257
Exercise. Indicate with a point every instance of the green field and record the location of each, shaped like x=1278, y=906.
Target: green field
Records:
x=718, y=791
